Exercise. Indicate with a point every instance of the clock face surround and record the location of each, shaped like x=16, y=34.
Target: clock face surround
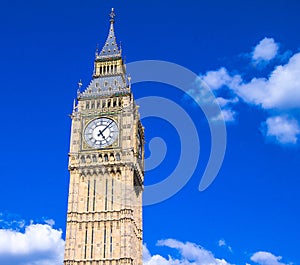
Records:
x=101, y=132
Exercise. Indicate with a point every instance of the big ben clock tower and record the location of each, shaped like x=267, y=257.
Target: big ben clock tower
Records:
x=106, y=164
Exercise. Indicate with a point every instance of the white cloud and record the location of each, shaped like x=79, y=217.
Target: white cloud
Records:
x=155, y=259
x=216, y=80
x=285, y=130
x=146, y=254
x=10, y=221
x=280, y=91
x=219, y=78
x=223, y=102
x=191, y=254
x=266, y=258
x=227, y=115
x=39, y=244
x=50, y=222
x=265, y=50
x=222, y=243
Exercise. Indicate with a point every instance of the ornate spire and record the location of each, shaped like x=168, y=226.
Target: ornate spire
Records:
x=109, y=76
x=110, y=48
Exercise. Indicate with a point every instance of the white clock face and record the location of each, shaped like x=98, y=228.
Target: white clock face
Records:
x=101, y=132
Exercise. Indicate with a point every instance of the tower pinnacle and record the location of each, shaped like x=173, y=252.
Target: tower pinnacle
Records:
x=110, y=48
x=112, y=15
x=109, y=75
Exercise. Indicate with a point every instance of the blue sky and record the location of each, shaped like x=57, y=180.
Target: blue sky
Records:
x=247, y=52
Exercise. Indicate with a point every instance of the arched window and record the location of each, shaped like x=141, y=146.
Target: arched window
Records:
x=105, y=157
x=111, y=157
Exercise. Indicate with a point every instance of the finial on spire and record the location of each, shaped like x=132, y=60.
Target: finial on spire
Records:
x=97, y=51
x=79, y=84
x=74, y=105
x=112, y=15
x=129, y=81
x=79, y=87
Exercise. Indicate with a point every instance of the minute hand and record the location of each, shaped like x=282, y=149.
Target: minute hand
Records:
x=106, y=127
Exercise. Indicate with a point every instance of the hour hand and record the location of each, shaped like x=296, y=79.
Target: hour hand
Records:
x=101, y=133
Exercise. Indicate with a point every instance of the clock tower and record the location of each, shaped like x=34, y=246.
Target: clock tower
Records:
x=106, y=164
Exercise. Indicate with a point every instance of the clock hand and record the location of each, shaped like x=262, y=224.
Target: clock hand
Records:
x=101, y=133
x=106, y=127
